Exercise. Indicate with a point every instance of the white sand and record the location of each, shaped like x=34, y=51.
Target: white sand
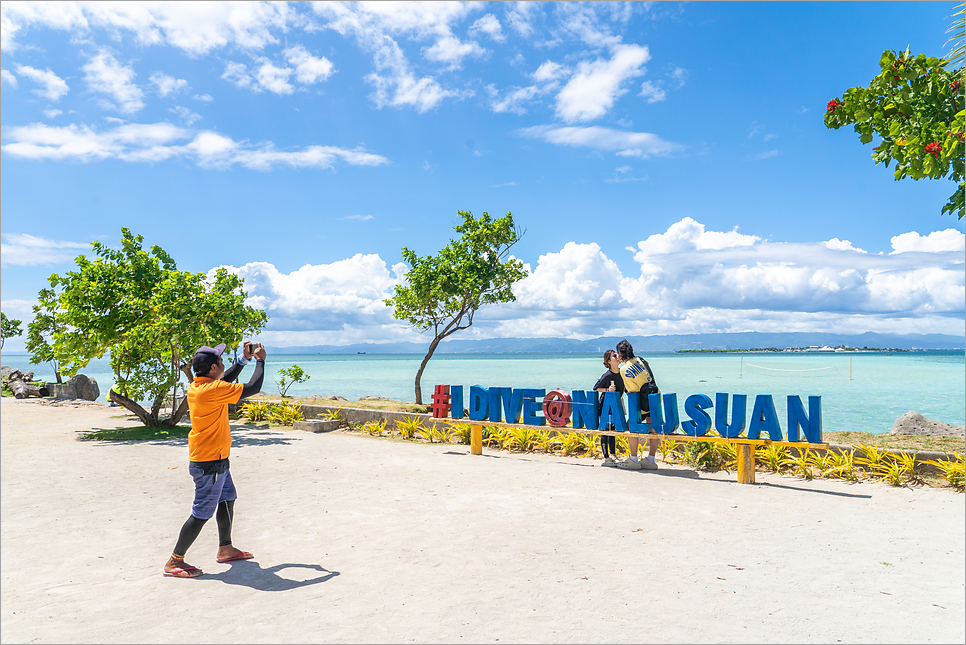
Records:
x=365, y=540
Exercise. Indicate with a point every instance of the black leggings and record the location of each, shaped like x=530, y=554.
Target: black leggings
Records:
x=191, y=528
x=608, y=443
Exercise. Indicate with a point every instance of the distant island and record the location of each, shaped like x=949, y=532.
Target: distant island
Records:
x=776, y=350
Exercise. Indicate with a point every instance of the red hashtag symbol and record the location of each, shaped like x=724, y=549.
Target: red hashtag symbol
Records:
x=441, y=402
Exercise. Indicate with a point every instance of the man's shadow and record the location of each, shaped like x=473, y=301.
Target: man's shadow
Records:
x=248, y=573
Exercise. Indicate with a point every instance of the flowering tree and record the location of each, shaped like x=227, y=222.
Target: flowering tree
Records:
x=915, y=105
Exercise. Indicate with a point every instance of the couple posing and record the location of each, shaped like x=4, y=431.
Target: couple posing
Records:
x=627, y=373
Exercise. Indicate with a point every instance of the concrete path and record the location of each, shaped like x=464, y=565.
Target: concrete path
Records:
x=366, y=540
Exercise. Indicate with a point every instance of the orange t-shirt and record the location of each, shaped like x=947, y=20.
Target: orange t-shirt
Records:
x=210, y=436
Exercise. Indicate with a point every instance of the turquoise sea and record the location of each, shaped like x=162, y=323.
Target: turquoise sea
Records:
x=860, y=391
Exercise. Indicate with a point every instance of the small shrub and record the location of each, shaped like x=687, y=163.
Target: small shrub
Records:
x=409, y=426
x=256, y=409
x=334, y=415
x=494, y=436
x=547, y=440
x=523, y=438
x=952, y=470
x=892, y=473
x=874, y=459
x=912, y=469
x=668, y=449
x=291, y=376
x=571, y=443
x=286, y=413
x=461, y=431
x=374, y=428
x=801, y=464
x=840, y=465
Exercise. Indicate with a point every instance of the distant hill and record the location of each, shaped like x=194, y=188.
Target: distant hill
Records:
x=642, y=344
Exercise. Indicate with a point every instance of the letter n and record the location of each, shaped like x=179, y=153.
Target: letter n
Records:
x=811, y=423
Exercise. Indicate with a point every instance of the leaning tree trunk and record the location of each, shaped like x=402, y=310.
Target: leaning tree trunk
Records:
x=422, y=366
x=134, y=407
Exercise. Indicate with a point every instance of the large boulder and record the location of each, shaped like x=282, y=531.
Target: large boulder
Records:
x=62, y=390
x=913, y=423
x=85, y=388
x=6, y=371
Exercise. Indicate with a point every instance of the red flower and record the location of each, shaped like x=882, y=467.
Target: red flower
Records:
x=933, y=148
x=834, y=103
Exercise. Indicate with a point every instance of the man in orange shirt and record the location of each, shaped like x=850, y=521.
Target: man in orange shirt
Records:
x=209, y=444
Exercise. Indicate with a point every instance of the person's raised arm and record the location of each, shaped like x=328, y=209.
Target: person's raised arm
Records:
x=254, y=385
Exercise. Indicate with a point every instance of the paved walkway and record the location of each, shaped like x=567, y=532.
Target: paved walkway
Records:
x=366, y=540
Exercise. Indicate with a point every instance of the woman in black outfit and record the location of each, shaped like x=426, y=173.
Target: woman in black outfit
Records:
x=610, y=381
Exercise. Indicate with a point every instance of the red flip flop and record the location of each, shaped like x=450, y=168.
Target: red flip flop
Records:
x=244, y=555
x=184, y=572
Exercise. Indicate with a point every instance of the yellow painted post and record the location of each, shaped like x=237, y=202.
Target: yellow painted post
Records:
x=476, y=440
x=746, y=463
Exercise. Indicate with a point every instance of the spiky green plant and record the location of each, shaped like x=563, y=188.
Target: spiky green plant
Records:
x=892, y=472
x=374, y=428
x=911, y=467
x=334, y=415
x=571, y=443
x=801, y=462
x=286, y=413
x=772, y=457
x=840, y=465
x=547, y=440
x=953, y=470
x=461, y=431
x=668, y=450
x=409, y=426
x=524, y=439
x=256, y=409
x=496, y=437
x=622, y=446
x=874, y=459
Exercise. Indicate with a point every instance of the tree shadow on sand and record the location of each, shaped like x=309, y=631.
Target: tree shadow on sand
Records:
x=248, y=573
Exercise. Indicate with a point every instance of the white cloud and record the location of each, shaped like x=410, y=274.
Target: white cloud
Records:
x=841, y=245
x=166, y=84
x=452, y=50
x=596, y=86
x=623, y=169
x=581, y=20
x=195, y=27
x=692, y=280
x=625, y=144
x=54, y=87
x=768, y=154
x=51, y=113
x=237, y=73
x=520, y=15
x=21, y=249
x=274, y=79
x=679, y=75
x=7, y=77
x=186, y=115
x=374, y=25
x=513, y=100
x=550, y=71
x=359, y=218
x=308, y=68
x=161, y=141
x=105, y=75
x=652, y=93
x=490, y=26
x=949, y=240
x=203, y=97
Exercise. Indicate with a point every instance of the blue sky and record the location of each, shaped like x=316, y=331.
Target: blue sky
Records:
x=669, y=161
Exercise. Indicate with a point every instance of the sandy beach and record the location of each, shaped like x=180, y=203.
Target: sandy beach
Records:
x=365, y=540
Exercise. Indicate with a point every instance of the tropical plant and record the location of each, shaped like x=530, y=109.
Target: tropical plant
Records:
x=728, y=454
x=291, y=376
x=409, y=426
x=443, y=292
x=772, y=456
x=911, y=467
x=9, y=328
x=840, y=465
x=801, y=462
x=495, y=436
x=668, y=449
x=429, y=433
x=915, y=105
x=285, y=413
x=953, y=470
x=334, y=415
x=461, y=431
x=874, y=459
x=591, y=446
x=374, y=428
x=892, y=472
x=703, y=455
x=256, y=409
x=523, y=438
x=136, y=305
x=571, y=443
x=547, y=440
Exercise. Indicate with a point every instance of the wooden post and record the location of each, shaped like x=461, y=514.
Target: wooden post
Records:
x=476, y=440
x=746, y=463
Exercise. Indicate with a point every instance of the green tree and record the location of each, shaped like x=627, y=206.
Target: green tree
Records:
x=149, y=316
x=41, y=330
x=291, y=376
x=9, y=328
x=442, y=292
x=915, y=105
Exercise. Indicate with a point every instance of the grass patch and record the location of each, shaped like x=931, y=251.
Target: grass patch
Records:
x=902, y=442
x=138, y=434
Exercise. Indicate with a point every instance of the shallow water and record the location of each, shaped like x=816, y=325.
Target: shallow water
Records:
x=861, y=392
